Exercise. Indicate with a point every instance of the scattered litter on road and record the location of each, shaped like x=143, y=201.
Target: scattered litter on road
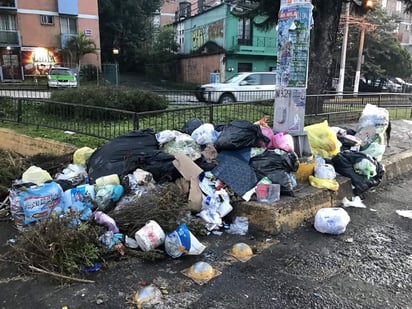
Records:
x=355, y=202
x=405, y=213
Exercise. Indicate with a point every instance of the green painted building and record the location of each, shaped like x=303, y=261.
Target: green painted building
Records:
x=217, y=41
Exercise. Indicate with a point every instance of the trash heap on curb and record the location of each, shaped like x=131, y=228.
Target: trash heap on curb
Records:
x=211, y=167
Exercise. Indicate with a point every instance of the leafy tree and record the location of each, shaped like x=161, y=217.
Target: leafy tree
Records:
x=78, y=46
x=326, y=16
x=165, y=45
x=383, y=55
x=126, y=25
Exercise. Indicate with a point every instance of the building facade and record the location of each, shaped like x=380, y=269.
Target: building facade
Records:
x=396, y=9
x=33, y=33
x=216, y=43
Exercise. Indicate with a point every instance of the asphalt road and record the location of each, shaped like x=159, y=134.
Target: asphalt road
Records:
x=369, y=266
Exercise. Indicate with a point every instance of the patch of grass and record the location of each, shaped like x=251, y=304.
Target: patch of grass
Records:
x=77, y=140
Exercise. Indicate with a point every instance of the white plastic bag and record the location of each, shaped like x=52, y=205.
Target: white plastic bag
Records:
x=323, y=170
x=205, y=134
x=331, y=220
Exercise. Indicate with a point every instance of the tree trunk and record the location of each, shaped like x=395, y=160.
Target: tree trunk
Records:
x=326, y=15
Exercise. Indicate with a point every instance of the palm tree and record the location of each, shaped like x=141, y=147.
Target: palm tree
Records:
x=78, y=46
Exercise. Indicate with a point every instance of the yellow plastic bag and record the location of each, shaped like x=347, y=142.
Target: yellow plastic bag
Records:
x=323, y=141
x=81, y=155
x=320, y=183
x=36, y=175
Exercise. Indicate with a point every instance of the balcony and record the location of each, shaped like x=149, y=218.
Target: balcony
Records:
x=256, y=45
x=65, y=37
x=8, y=5
x=10, y=38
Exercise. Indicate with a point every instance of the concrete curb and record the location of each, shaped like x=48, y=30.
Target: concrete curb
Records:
x=291, y=212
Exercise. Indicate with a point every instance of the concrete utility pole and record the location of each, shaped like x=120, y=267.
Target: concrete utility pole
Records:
x=360, y=56
x=343, y=51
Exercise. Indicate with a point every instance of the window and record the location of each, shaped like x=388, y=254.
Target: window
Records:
x=46, y=20
x=244, y=29
x=7, y=22
x=398, y=6
x=268, y=79
x=244, y=67
x=68, y=25
x=253, y=79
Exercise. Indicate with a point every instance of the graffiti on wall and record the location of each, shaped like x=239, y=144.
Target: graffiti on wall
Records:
x=38, y=60
x=205, y=33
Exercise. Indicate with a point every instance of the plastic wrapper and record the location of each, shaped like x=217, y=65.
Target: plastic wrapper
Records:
x=365, y=167
x=166, y=136
x=240, y=226
x=105, y=220
x=183, y=143
x=321, y=183
x=182, y=242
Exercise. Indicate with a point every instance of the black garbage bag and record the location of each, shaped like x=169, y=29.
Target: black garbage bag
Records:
x=240, y=134
x=277, y=167
x=344, y=163
x=160, y=165
x=122, y=155
x=191, y=125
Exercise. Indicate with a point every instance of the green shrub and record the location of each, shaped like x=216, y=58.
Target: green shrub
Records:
x=89, y=72
x=131, y=99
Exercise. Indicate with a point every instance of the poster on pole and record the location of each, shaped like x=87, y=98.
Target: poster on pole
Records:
x=293, y=44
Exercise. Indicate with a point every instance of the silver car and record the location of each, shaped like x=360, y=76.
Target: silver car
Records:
x=243, y=87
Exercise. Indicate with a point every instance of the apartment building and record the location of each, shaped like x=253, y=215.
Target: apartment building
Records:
x=396, y=9
x=33, y=33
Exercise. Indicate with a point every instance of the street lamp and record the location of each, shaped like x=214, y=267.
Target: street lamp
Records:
x=115, y=55
x=11, y=69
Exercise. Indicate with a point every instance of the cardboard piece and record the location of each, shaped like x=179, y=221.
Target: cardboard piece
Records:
x=190, y=171
x=186, y=166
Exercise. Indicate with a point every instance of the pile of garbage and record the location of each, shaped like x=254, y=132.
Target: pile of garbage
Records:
x=152, y=190
x=355, y=154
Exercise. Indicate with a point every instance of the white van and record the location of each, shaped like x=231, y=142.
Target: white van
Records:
x=243, y=87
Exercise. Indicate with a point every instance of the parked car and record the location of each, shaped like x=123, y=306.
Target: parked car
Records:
x=243, y=87
x=394, y=87
x=59, y=77
x=406, y=87
x=379, y=85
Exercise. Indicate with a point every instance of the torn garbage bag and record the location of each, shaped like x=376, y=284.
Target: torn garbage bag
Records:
x=124, y=154
x=277, y=166
x=344, y=164
x=240, y=134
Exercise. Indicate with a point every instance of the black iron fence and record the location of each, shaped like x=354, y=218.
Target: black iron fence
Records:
x=108, y=123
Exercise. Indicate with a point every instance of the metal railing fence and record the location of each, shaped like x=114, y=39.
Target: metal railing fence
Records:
x=108, y=123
